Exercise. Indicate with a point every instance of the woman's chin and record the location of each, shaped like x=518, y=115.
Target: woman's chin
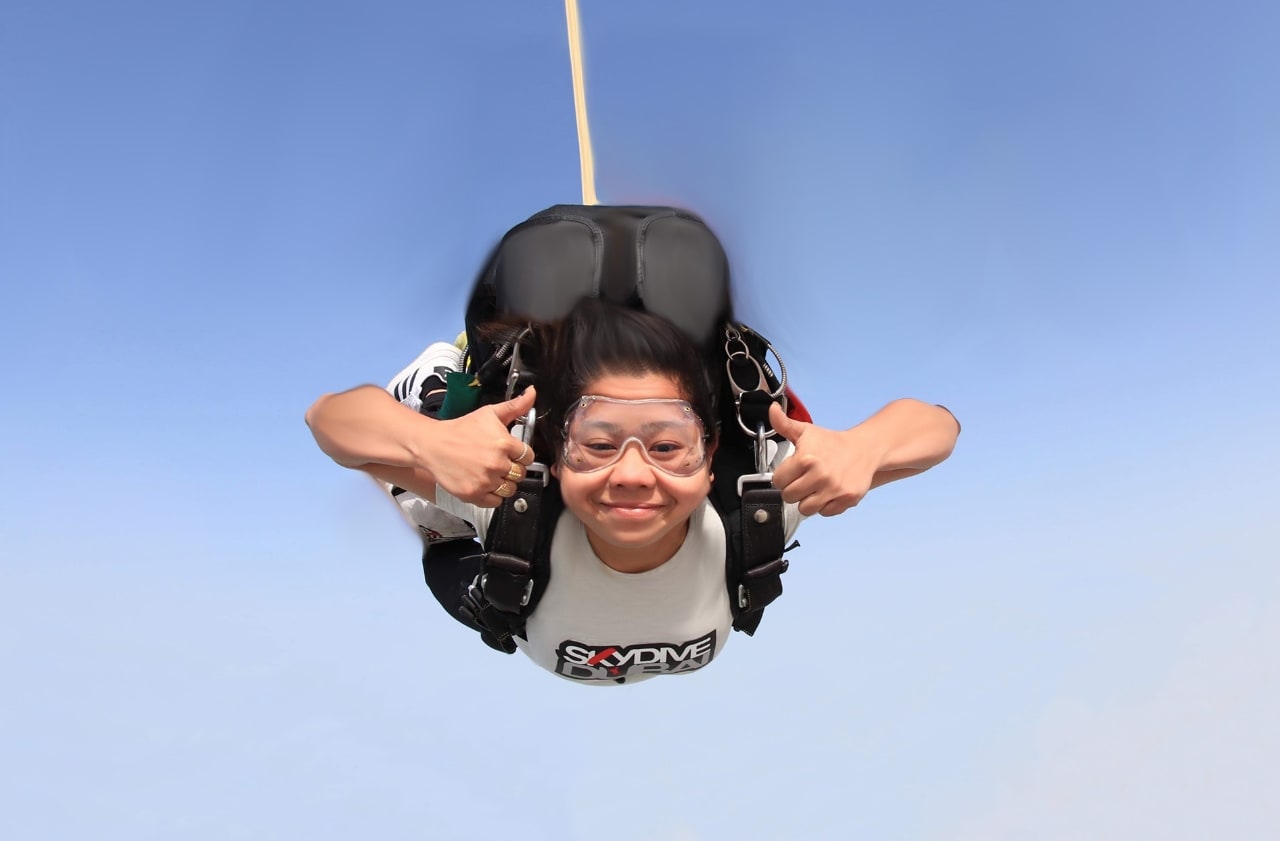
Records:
x=634, y=545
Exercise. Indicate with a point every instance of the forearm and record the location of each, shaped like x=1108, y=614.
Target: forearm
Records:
x=366, y=426
x=419, y=481
x=907, y=437
x=831, y=470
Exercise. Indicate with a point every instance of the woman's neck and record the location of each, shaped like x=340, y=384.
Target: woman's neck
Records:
x=640, y=558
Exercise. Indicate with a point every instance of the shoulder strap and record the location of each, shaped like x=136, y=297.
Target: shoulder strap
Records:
x=517, y=563
x=759, y=563
x=744, y=495
x=755, y=529
x=517, y=557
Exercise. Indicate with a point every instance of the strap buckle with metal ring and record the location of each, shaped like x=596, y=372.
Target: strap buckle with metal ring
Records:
x=738, y=353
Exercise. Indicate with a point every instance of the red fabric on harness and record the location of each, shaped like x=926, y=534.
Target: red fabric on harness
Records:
x=796, y=409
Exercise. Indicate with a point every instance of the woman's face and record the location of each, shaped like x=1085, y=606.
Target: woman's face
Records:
x=636, y=515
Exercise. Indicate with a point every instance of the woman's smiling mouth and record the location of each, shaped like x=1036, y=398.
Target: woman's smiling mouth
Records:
x=632, y=509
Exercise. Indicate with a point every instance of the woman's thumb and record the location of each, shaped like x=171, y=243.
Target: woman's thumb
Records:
x=785, y=426
x=517, y=407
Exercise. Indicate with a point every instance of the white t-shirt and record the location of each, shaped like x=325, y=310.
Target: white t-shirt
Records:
x=600, y=626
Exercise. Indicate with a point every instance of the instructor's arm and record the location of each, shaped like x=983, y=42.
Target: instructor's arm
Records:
x=366, y=429
x=831, y=470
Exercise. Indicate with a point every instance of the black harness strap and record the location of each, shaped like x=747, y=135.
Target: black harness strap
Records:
x=755, y=566
x=517, y=563
x=495, y=627
x=503, y=595
x=761, y=565
x=508, y=578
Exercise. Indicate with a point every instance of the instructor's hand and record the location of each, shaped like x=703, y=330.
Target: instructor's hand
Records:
x=475, y=457
x=830, y=471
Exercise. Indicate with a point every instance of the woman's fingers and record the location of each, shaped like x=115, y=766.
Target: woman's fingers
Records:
x=814, y=487
x=481, y=461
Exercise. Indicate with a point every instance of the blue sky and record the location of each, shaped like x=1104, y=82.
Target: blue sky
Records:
x=1058, y=220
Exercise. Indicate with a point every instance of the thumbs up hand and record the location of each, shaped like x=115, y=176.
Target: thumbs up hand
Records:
x=475, y=457
x=829, y=472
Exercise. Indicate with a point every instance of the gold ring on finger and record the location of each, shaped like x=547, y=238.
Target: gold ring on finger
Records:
x=516, y=473
x=505, y=490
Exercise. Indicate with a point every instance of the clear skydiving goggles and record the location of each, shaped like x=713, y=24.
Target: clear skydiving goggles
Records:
x=668, y=433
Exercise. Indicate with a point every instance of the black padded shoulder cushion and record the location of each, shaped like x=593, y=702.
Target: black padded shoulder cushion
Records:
x=660, y=259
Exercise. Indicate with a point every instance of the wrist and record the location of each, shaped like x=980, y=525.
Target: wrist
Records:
x=871, y=442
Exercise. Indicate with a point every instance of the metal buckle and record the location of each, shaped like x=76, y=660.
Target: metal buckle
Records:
x=524, y=432
x=514, y=367
x=735, y=349
x=753, y=477
x=763, y=473
x=537, y=470
x=524, y=598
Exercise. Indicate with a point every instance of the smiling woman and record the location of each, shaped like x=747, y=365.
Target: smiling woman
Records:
x=633, y=464
x=629, y=425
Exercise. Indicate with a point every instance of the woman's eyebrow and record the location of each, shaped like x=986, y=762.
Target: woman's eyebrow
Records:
x=659, y=426
x=643, y=429
x=603, y=426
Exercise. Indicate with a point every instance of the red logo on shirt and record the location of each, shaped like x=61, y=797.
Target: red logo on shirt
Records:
x=582, y=661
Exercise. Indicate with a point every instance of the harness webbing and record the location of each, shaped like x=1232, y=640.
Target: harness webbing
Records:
x=514, y=574
x=759, y=580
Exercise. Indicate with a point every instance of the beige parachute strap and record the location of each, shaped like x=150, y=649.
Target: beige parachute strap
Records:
x=580, y=104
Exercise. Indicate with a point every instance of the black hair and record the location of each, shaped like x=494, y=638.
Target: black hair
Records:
x=597, y=339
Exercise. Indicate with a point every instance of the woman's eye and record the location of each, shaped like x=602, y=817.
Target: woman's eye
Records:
x=665, y=448
x=599, y=446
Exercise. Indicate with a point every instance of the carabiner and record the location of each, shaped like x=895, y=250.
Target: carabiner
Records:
x=737, y=352
x=762, y=370
x=514, y=367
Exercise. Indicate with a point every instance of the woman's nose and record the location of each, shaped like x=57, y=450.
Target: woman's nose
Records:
x=631, y=467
